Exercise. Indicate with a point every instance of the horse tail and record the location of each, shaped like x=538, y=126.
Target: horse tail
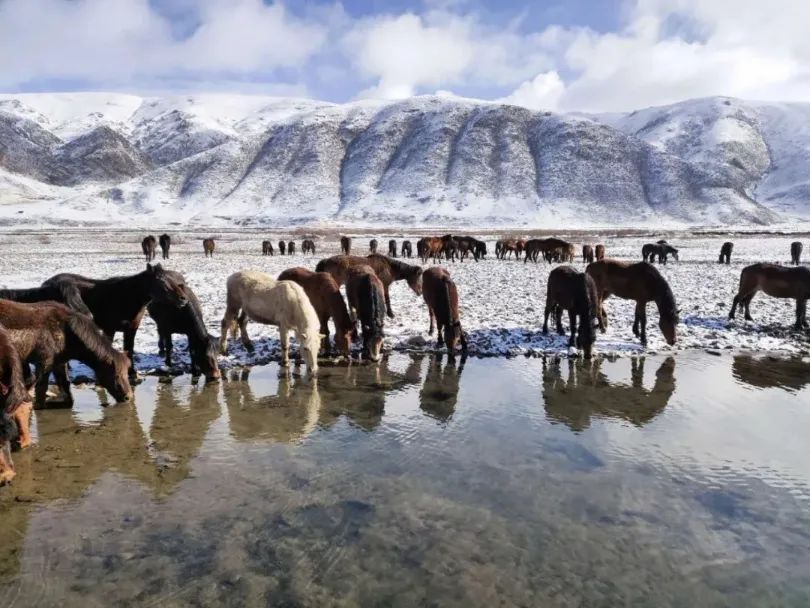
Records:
x=376, y=314
x=72, y=298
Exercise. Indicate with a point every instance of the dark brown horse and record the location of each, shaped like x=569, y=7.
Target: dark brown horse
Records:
x=346, y=245
x=406, y=250
x=203, y=348
x=15, y=406
x=387, y=270
x=441, y=296
x=291, y=248
x=48, y=335
x=208, y=247
x=796, y=253
x=372, y=245
x=508, y=247
x=165, y=244
x=600, y=252
x=308, y=246
x=575, y=292
x=366, y=295
x=777, y=282
x=725, y=253
x=267, y=248
x=148, y=246
x=430, y=247
x=661, y=250
x=640, y=282
x=324, y=294
x=282, y=248
x=587, y=254
x=392, y=248
x=119, y=303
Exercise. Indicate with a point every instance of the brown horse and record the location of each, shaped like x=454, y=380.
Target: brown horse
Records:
x=640, y=282
x=796, y=253
x=267, y=248
x=407, y=250
x=282, y=248
x=324, y=294
x=208, y=247
x=291, y=248
x=148, y=246
x=366, y=295
x=777, y=282
x=48, y=335
x=15, y=406
x=346, y=245
x=372, y=245
x=165, y=245
x=725, y=253
x=387, y=270
x=430, y=247
x=575, y=292
x=600, y=252
x=308, y=246
x=587, y=254
x=441, y=296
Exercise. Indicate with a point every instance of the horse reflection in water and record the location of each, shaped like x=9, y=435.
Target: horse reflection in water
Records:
x=770, y=372
x=586, y=392
x=439, y=393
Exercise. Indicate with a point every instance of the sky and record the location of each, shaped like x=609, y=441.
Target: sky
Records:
x=575, y=55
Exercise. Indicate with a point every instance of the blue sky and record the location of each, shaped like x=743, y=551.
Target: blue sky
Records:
x=593, y=55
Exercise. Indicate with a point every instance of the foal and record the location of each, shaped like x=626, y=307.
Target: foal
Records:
x=441, y=296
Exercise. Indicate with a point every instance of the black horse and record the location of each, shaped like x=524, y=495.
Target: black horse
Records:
x=661, y=250
x=165, y=244
x=725, y=253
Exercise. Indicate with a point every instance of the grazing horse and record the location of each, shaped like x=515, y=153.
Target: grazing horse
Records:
x=282, y=248
x=796, y=253
x=441, y=296
x=208, y=247
x=725, y=253
x=450, y=246
x=148, y=246
x=165, y=244
x=291, y=248
x=387, y=270
x=65, y=293
x=600, y=252
x=430, y=247
x=119, y=303
x=372, y=245
x=587, y=254
x=660, y=249
x=575, y=292
x=640, y=282
x=48, y=335
x=366, y=295
x=480, y=249
x=498, y=249
x=777, y=282
x=392, y=248
x=15, y=406
x=258, y=297
x=203, y=348
x=346, y=245
x=406, y=250
x=324, y=295
x=308, y=246
x=508, y=247
x=267, y=248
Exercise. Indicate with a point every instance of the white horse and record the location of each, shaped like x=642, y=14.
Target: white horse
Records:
x=259, y=297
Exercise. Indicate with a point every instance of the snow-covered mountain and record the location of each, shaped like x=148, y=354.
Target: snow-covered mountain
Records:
x=210, y=159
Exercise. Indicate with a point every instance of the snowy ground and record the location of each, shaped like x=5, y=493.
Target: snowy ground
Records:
x=502, y=301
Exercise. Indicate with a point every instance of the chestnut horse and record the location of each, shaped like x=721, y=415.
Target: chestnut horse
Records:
x=777, y=282
x=430, y=247
x=366, y=295
x=796, y=253
x=575, y=292
x=640, y=282
x=441, y=296
x=587, y=254
x=387, y=270
x=725, y=253
x=15, y=406
x=165, y=244
x=600, y=252
x=346, y=245
x=148, y=246
x=208, y=247
x=324, y=295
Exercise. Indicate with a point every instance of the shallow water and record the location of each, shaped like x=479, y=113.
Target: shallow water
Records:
x=657, y=481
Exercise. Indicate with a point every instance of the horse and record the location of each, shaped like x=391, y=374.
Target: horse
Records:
x=308, y=246
x=15, y=406
x=469, y=245
x=346, y=245
x=587, y=254
x=498, y=249
x=49, y=334
x=259, y=297
x=600, y=252
x=291, y=248
x=372, y=245
x=119, y=303
x=392, y=248
x=267, y=248
x=430, y=247
x=449, y=247
x=66, y=293
x=640, y=282
x=208, y=247
x=387, y=270
x=441, y=296
x=796, y=253
x=202, y=347
x=508, y=247
x=366, y=295
x=777, y=282
x=324, y=295
x=148, y=246
x=575, y=292
x=520, y=245
x=660, y=249
x=725, y=253
x=480, y=249
x=165, y=244
x=282, y=248
x=406, y=251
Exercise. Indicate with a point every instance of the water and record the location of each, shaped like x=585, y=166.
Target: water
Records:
x=514, y=482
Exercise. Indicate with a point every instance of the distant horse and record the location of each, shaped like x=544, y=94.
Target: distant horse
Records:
x=203, y=348
x=575, y=292
x=406, y=250
x=498, y=249
x=508, y=247
x=660, y=250
x=258, y=297
x=15, y=406
x=387, y=270
x=600, y=252
x=149, y=245
x=777, y=282
x=372, y=245
x=208, y=247
x=725, y=253
x=346, y=245
x=796, y=253
x=520, y=246
x=308, y=246
x=430, y=247
x=48, y=335
x=587, y=254
x=165, y=244
x=324, y=295
x=291, y=248
x=441, y=296
x=450, y=247
x=282, y=248
x=392, y=248
x=640, y=282
x=267, y=248
x=366, y=295
x=480, y=248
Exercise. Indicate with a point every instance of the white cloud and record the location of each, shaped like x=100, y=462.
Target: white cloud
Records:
x=543, y=92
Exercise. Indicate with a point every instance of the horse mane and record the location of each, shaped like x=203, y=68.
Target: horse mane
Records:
x=402, y=268
x=664, y=298
x=91, y=338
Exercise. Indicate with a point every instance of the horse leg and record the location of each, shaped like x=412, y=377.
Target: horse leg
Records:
x=22, y=416
x=324, y=321
x=440, y=331
x=41, y=372
x=129, y=346
x=284, y=335
x=388, y=310
x=168, y=347
x=549, y=308
x=572, y=319
x=243, y=320
x=801, y=306
x=747, y=304
x=558, y=320
x=641, y=319
x=432, y=320
x=60, y=372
